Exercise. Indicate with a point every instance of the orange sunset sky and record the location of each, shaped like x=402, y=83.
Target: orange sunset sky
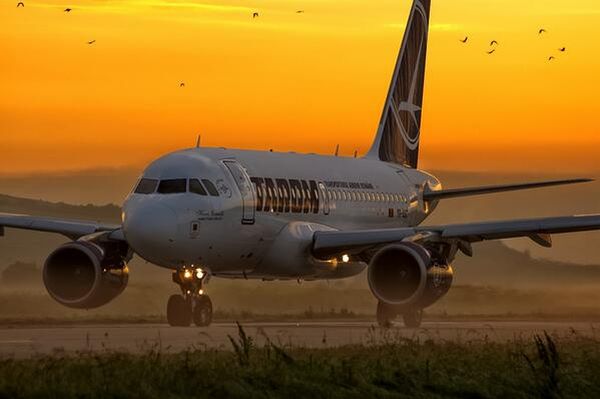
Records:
x=294, y=81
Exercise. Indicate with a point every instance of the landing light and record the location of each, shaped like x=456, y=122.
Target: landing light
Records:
x=199, y=273
x=345, y=258
x=187, y=274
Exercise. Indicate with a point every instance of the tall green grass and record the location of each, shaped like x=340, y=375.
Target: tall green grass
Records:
x=387, y=367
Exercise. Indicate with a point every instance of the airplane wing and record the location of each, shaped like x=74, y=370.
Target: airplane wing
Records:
x=471, y=191
x=328, y=244
x=70, y=228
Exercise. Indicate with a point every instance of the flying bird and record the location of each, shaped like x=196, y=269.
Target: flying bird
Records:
x=551, y=58
x=68, y=9
x=562, y=49
x=182, y=84
x=465, y=39
x=254, y=15
x=541, y=31
x=491, y=51
x=493, y=43
x=92, y=41
x=20, y=4
x=299, y=11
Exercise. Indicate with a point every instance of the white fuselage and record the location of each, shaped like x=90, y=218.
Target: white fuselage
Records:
x=268, y=205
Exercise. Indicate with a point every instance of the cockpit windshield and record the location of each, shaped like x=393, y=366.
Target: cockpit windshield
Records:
x=175, y=186
x=146, y=186
x=172, y=186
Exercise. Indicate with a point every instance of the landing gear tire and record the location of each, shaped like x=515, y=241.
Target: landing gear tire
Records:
x=413, y=318
x=179, y=311
x=203, y=311
x=385, y=314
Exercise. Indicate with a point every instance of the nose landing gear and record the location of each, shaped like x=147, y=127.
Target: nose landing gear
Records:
x=192, y=304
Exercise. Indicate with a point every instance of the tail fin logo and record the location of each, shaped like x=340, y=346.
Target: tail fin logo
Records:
x=400, y=126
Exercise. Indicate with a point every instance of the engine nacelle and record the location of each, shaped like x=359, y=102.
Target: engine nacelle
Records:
x=405, y=275
x=85, y=275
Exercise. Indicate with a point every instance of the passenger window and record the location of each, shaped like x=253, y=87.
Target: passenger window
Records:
x=172, y=186
x=196, y=187
x=210, y=187
x=146, y=186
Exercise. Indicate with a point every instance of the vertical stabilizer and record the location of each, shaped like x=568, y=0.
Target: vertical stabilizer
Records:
x=397, y=138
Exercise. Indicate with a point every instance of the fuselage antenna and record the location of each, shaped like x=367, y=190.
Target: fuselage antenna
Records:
x=337, y=150
x=198, y=139
x=355, y=153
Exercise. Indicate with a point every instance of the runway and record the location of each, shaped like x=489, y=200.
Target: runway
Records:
x=22, y=342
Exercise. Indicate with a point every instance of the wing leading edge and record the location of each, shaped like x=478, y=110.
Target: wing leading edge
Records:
x=471, y=191
x=328, y=244
x=69, y=228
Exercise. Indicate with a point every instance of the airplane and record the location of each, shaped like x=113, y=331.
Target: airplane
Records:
x=223, y=213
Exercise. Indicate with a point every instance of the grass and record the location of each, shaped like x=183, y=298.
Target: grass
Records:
x=387, y=367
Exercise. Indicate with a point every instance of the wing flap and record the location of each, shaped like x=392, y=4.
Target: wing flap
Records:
x=70, y=228
x=327, y=244
x=518, y=228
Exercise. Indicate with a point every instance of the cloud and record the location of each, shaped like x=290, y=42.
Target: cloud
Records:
x=120, y=6
x=193, y=5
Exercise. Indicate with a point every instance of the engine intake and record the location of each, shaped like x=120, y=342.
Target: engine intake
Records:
x=406, y=275
x=85, y=275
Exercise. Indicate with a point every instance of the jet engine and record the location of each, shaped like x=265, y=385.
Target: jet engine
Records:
x=85, y=274
x=407, y=275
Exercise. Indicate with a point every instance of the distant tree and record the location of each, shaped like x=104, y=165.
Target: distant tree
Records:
x=20, y=273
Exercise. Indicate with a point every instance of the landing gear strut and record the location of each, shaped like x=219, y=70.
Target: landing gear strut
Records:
x=386, y=314
x=192, y=304
x=413, y=318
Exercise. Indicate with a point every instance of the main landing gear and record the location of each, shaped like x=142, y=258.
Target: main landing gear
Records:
x=192, y=304
x=387, y=313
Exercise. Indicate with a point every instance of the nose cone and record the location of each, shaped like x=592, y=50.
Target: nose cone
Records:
x=150, y=228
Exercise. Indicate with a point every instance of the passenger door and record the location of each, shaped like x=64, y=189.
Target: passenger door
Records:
x=244, y=185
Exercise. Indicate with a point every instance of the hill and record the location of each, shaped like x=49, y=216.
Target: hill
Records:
x=112, y=186
x=498, y=280
x=106, y=213
x=494, y=263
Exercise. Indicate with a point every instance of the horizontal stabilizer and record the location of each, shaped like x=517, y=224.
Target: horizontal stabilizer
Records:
x=470, y=191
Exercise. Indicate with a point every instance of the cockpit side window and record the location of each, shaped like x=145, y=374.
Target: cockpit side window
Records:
x=210, y=187
x=172, y=186
x=196, y=187
x=146, y=186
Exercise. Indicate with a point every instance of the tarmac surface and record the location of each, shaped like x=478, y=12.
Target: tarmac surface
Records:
x=22, y=342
